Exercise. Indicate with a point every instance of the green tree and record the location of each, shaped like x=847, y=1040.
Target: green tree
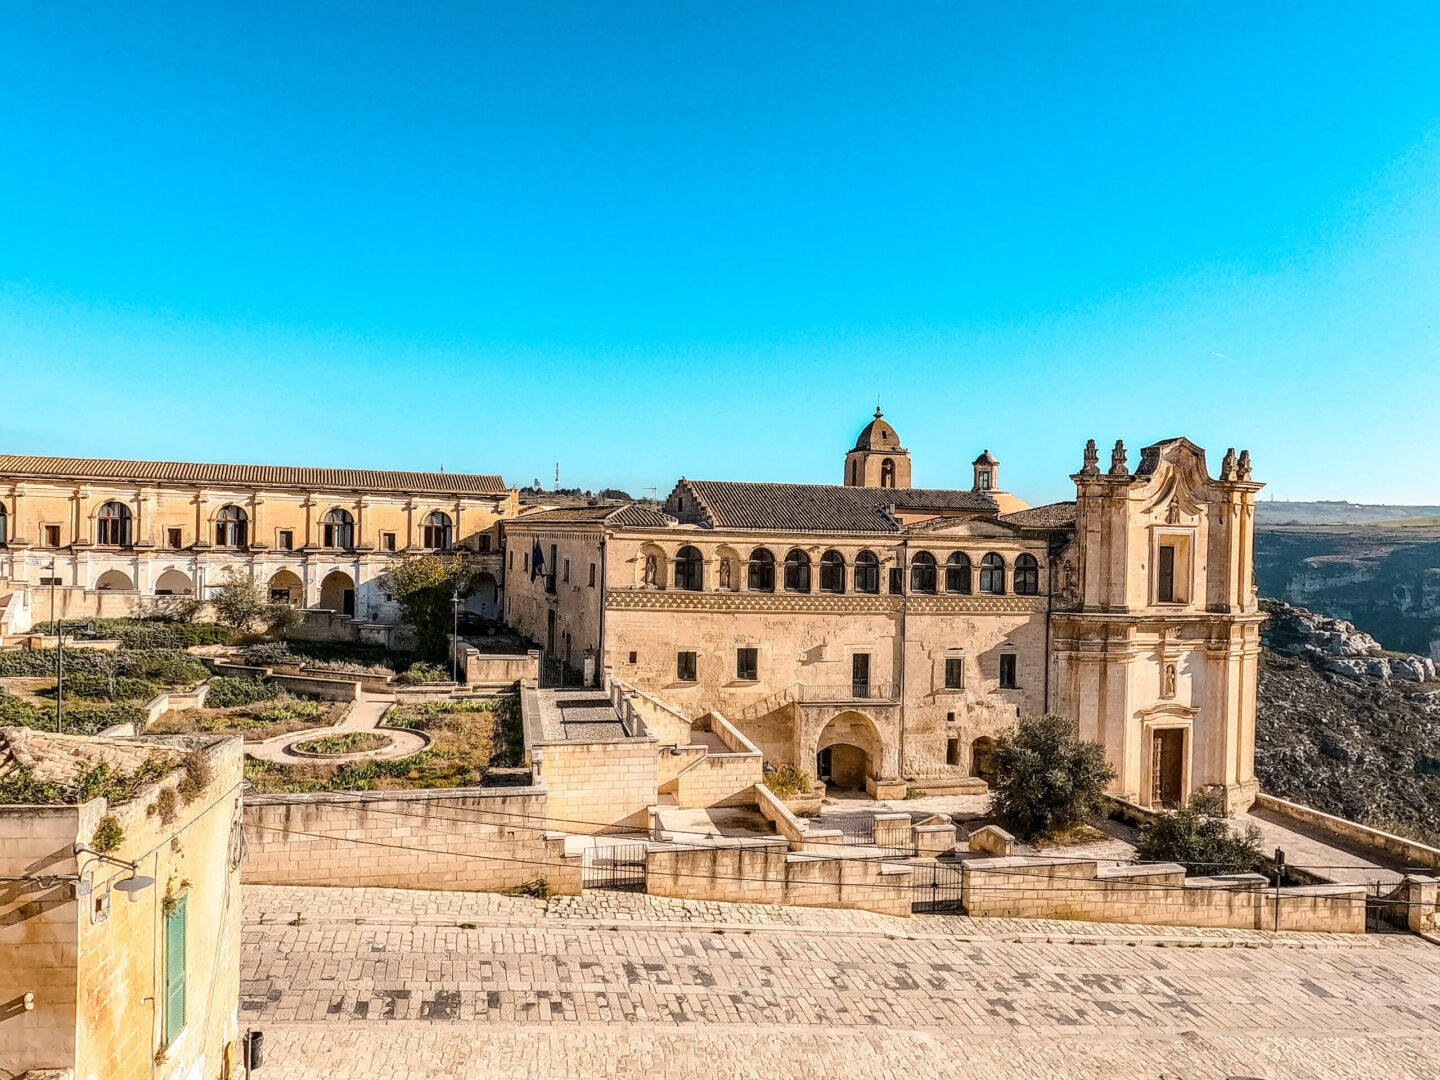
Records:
x=425, y=586
x=239, y=600
x=281, y=618
x=1199, y=836
x=1047, y=780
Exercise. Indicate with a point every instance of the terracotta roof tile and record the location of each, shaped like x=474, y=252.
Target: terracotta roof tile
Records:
x=821, y=507
x=1060, y=515
x=611, y=514
x=249, y=475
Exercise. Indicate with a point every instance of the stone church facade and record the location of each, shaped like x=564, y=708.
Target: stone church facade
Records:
x=878, y=634
x=119, y=537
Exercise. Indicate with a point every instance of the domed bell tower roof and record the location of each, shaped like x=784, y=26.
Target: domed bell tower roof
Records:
x=878, y=435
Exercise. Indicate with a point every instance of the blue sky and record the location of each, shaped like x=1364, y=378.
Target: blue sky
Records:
x=648, y=240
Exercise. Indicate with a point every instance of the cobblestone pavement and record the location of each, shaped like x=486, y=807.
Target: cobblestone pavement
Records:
x=391, y=985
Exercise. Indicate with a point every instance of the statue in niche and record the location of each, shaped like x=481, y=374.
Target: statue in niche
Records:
x=1169, y=680
x=724, y=573
x=652, y=570
x=1172, y=513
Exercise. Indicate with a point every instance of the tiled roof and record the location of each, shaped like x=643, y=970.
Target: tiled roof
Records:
x=1060, y=515
x=58, y=758
x=612, y=514
x=185, y=472
x=821, y=507
x=877, y=435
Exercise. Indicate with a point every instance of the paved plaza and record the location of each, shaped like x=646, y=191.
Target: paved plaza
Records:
x=374, y=983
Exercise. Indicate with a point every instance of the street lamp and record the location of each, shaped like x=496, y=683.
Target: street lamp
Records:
x=455, y=635
x=59, y=656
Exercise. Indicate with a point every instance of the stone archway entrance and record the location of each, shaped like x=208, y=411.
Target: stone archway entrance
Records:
x=286, y=588
x=174, y=583
x=484, y=601
x=115, y=581
x=337, y=592
x=849, y=751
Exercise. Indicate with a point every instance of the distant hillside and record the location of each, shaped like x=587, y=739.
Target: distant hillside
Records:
x=1346, y=728
x=1328, y=512
x=1384, y=576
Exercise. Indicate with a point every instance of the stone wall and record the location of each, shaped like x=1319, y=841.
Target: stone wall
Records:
x=766, y=872
x=603, y=786
x=1411, y=852
x=480, y=840
x=1159, y=894
x=492, y=670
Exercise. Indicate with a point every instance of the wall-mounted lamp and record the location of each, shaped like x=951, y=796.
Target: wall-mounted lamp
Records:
x=130, y=886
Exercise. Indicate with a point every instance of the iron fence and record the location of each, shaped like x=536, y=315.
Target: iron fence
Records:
x=617, y=867
x=937, y=888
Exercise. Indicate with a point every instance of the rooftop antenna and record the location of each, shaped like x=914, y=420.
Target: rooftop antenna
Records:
x=557, y=476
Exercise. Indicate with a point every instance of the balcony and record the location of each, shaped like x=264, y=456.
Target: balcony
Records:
x=839, y=693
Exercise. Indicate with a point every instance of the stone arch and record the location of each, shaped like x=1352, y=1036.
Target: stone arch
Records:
x=172, y=582
x=286, y=588
x=337, y=592
x=731, y=577
x=855, y=749
x=485, y=600
x=114, y=581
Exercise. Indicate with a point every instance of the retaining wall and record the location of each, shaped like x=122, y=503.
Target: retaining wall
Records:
x=1158, y=895
x=1412, y=852
x=471, y=839
x=765, y=872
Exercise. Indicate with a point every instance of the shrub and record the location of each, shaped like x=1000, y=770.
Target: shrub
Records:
x=421, y=672
x=197, y=776
x=108, y=835
x=144, y=633
x=165, y=806
x=1047, y=780
x=540, y=889
x=787, y=778
x=270, y=652
x=92, y=686
x=349, y=743
x=104, y=781
x=239, y=600
x=20, y=786
x=226, y=691
x=1198, y=835
x=289, y=710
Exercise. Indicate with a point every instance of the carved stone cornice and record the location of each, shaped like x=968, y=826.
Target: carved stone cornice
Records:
x=751, y=603
x=976, y=605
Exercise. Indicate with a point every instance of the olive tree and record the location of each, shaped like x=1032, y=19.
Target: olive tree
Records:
x=1200, y=837
x=1046, y=779
x=239, y=600
x=425, y=587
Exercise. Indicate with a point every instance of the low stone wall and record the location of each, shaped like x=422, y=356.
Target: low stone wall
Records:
x=326, y=688
x=764, y=872
x=797, y=833
x=475, y=839
x=1411, y=851
x=721, y=778
x=1420, y=894
x=160, y=704
x=599, y=786
x=497, y=670
x=1158, y=894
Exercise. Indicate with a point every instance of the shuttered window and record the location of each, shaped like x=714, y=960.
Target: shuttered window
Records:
x=175, y=971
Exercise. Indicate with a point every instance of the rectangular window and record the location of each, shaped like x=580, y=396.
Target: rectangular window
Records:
x=484, y=540
x=52, y=535
x=685, y=667
x=632, y=657
x=1007, y=671
x=952, y=751
x=747, y=664
x=175, y=970
x=567, y=571
x=1165, y=585
x=897, y=580
x=174, y=539
x=592, y=575
x=510, y=559
x=955, y=672
x=525, y=561
x=387, y=541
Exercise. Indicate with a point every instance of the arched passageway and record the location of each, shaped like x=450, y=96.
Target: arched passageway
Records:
x=174, y=583
x=286, y=588
x=484, y=601
x=115, y=581
x=848, y=751
x=337, y=592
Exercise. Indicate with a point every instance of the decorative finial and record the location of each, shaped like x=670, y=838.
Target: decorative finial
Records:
x=1227, y=466
x=1117, y=460
x=1242, y=467
x=1092, y=459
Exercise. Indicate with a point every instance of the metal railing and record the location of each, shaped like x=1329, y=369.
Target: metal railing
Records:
x=809, y=694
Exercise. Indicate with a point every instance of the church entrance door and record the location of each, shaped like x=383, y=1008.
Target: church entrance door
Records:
x=1167, y=767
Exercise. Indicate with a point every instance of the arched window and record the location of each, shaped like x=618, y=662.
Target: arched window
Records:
x=337, y=529
x=689, y=569
x=797, y=571
x=231, y=527
x=922, y=572
x=4, y=536
x=887, y=473
x=112, y=526
x=855, y=473
x=437, y=530
x=992, y=574
x=867, y=573
x=762, y=571
x=1027, y=575
x=832, y=572
x=957, y=574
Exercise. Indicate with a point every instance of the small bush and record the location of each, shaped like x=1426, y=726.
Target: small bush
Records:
x=117, y=788
x=143, y=633
x=1198, y=835
x=107, y=836
x=1047, y=780
x=197, y=776
x=20, y=786
x=422, y=672
x=226, y=691
x=289, y=710
x=270, y=652
x=165, y=805
x=349, y=743
x=91, y=686
x=540, y=889
x=787, y=779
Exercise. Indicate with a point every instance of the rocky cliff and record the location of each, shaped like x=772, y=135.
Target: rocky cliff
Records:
x=1345, y=726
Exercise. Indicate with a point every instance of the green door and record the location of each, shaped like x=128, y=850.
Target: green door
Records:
x=175, y=971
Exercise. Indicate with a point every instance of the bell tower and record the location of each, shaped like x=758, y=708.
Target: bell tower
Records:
x=878, y=459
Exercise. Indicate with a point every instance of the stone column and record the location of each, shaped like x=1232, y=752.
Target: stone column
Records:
x=409, y=524
x=309, y=524
x=17, y=536
x=456, y=536
x=257, y=524
x=360, y=540
x=79, y=520
x=202, y=505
